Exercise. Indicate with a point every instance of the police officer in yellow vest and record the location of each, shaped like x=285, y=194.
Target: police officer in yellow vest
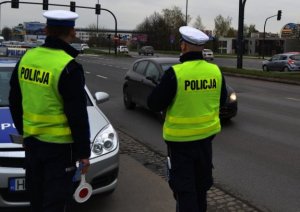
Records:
x=49, y=108
x=191, y=92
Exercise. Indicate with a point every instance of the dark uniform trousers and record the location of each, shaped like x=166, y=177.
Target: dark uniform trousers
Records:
x=190, y=176
x=49, y=172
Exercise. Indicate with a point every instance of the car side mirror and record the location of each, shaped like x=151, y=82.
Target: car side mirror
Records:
x=101, y=97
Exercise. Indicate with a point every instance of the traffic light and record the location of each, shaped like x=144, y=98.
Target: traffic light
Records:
x=45, y=4
x=15, y=4
x=279, y=15
x=72, y=6
x=98, y=9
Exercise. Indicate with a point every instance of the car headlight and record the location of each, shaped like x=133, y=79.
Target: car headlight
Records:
x=106, y=141
x=232, y=97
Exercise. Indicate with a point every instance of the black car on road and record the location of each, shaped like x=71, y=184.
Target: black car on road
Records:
x=146, y=50
x=145, y=73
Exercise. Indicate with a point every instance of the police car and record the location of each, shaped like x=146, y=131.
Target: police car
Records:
x=103, y=172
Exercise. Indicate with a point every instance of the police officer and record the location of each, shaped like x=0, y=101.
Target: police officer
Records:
x=49, y=108
x=191, y=93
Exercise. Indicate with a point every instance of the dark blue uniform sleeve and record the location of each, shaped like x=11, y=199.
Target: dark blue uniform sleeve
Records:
x=164, y=93
x=15, y=101
x=71, y=87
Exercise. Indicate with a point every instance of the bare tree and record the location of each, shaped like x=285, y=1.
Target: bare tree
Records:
x=162, y=29
x=250, y=29
x=222, y=25
x=198, y=23
x=7, y=33
x=174, y=18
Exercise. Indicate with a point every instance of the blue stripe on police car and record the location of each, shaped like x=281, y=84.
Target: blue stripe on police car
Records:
x=7, y=126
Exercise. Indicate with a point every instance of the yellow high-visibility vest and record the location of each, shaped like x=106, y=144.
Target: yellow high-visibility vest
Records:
x=194, y=113
x=43, y=115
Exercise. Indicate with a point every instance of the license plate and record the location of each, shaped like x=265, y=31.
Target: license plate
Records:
x=16, y=184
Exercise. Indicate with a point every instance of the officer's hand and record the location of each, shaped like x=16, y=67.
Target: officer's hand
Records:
x=85, y=165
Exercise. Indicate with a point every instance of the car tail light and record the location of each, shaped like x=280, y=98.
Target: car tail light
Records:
x=291, y=61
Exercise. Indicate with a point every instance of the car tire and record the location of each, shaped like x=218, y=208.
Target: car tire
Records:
x=286, y=69
x=265, y=68
x=129, y=104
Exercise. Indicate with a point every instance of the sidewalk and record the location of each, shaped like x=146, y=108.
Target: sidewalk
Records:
x=154, y=162
x=138, y=190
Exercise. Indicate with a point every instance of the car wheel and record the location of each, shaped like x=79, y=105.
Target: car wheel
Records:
x=286, y=69
x=265, y=68
x=127, y=100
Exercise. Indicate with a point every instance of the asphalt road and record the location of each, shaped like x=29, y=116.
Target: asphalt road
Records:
x=248, y=63
x=256, y=156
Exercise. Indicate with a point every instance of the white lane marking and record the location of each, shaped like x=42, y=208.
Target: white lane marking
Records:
x=290, y=98
x=101, y=76
x=87, y=72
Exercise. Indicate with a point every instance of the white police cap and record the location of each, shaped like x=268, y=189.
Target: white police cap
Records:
x=60, y=18
x=193, y=36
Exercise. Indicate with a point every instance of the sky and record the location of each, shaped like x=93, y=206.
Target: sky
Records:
x=130, y=13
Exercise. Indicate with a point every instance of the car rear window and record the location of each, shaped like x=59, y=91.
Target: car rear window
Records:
x=140, y=67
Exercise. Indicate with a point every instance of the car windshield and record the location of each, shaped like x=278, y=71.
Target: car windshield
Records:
x=149, y=47
x=5, y=73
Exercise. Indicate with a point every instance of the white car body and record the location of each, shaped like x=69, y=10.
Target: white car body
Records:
x=103, y=172
x=208, y=54
x=122, y=49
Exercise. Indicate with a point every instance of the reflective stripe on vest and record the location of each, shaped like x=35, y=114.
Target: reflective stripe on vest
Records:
x=194, y=113
x=39, y=73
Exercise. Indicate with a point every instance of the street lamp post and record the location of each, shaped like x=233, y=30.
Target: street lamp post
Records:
x=278, y=19
x=186, y=12
x=240, y=42
x=264, y=38
x=97, y=21
x=97, y=34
